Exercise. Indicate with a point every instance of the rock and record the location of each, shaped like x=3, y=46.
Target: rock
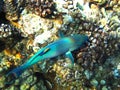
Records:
x=13, y=88
x=102, y=82
x=104, y=88
x=1, y=69
x=88, y=74
x=24, y=86
x=31, y=80
x=34, y=88
x=94, y=82
x=2, y=82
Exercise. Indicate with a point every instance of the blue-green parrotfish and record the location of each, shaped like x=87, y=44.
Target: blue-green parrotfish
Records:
x=60, y=47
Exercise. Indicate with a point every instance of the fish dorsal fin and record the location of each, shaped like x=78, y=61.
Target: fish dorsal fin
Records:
x=60, y=34
x=44, y=51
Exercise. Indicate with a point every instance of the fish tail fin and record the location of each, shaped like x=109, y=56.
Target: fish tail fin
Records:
x=14, y=74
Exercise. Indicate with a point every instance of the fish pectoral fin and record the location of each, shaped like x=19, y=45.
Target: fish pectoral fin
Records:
x=44, y=51
x=70, y=56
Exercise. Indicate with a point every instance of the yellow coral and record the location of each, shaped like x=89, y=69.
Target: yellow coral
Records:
x=16, y=24
x=18, y=56
x=8, y=64
x=7, y=52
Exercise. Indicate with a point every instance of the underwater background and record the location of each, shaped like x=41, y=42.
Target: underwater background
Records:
x=26, y=26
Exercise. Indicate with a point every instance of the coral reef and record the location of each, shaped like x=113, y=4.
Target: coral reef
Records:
x=28, y=25
x=12, y=8
x=43, y=8
x=39, y=25
x=7, y=30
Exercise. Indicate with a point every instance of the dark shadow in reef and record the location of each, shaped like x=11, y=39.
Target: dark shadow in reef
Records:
x=16, y=38
x=10, y=41
x=2, y=45
x=3, y=18
x=44, y=78
x=13, y=39
x=118, y=46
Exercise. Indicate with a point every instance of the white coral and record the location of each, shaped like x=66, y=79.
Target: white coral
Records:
x=42, y=37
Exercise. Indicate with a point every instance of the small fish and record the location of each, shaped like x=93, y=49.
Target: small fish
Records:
x=60, y=47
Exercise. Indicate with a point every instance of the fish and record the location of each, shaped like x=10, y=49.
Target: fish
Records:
x=62, y=46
